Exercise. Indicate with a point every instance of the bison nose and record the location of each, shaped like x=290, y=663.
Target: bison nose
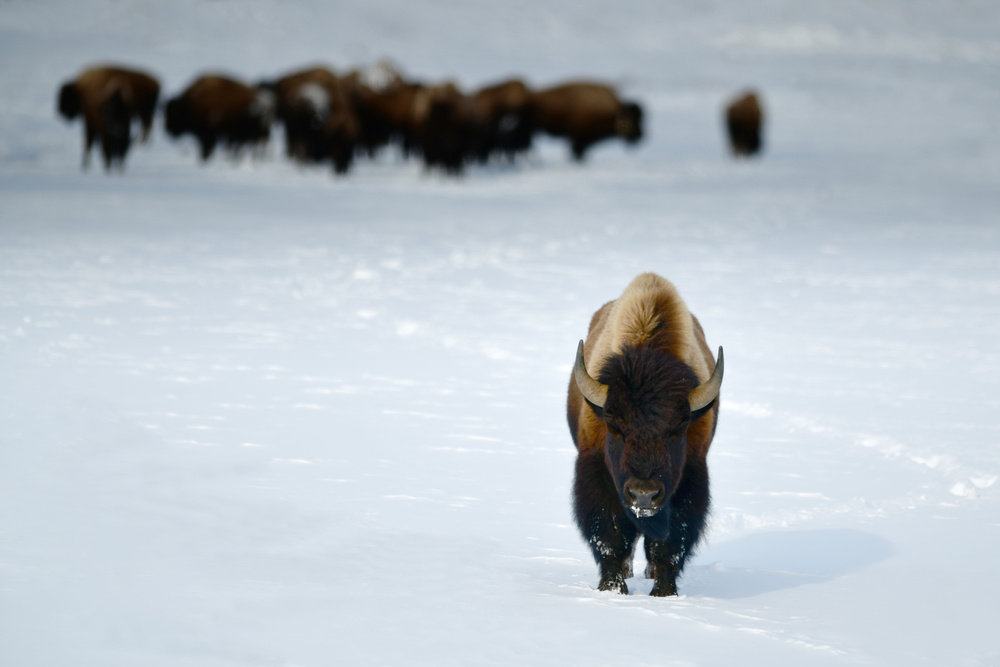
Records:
x=646, y=496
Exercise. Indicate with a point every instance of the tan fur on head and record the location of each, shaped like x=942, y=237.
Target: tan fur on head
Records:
x=650, y=310
x=650, y=306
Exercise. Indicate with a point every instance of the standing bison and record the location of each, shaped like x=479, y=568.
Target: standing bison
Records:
x=219, y=109
x=320, y=122
x=448, y=125
x=507, y=122
x=586, y=113
x=642, y=430
x=110, y=99
x=393, y=114
x=744, y=118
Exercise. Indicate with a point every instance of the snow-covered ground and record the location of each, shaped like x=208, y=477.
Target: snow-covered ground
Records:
x=252, y=414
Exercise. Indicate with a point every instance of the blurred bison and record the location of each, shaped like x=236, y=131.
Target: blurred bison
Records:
x=110, y=99
x=437, y=122
x=320, y=123
x=447, y=126
x=217, y=109
x=586, y=113
x=642, y=408
x=507, y=121
x=360, y=86
x=744, y=118
x=391, y=114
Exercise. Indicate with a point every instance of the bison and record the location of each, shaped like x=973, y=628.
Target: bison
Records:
x=447, y=125
x=390, y=115
x=642, y=409
x=744, y=118
x=586, y=113
x=438, y=121
x=319, y=118
x=218, y=109
x=362, y=86
x=507, y=120
x=110, y=99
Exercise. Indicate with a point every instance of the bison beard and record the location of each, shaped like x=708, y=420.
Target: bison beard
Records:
x=642, y=431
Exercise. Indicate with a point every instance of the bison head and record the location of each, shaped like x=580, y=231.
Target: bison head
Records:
x=69, y=101
x=647, y=399
x=628, y=122
x=175, y=117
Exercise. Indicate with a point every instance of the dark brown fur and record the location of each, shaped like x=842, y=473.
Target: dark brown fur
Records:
x=744, y=119
x=217, y=109
x=110, y=99
x=586, y=113
x=651, y=352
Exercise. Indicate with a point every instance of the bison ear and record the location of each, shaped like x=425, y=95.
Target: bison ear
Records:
x=707, y=392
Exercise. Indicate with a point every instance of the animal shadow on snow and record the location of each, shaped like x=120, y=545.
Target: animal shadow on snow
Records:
x=773, y=561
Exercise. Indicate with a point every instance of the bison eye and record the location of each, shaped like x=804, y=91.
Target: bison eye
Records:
x=614, y=430
x=678, y=430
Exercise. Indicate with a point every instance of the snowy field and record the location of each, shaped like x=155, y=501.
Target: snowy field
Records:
x=252, y=414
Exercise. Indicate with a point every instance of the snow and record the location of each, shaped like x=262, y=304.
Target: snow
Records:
x=252, y=414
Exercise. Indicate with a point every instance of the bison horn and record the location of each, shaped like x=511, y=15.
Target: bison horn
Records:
x=592, y=390
x=706, y=392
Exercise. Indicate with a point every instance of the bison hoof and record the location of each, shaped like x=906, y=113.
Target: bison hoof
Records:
x=614, y=583
x=662, y=589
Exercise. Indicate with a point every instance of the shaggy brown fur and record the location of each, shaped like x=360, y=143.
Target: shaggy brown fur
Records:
x=218, y=109
x=109, y=99
x=651, y=352
x=586, y=113
x=744, y=118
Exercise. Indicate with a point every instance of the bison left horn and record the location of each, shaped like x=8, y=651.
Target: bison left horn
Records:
x=706, y=392
x=592, y=390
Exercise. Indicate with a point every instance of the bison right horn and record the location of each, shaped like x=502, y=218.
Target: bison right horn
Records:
x=592, y=390
x=706, y=392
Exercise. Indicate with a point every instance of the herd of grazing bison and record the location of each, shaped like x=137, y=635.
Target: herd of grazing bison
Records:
x=335, y=119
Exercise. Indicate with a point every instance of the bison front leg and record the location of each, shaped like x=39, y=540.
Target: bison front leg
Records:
x=207, y=140
x=89, y=137
x=662, y=566
x=688, y=507
x=579, y=147
x=602, y=521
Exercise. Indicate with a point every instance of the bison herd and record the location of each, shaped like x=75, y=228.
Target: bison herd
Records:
x=338, y=118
